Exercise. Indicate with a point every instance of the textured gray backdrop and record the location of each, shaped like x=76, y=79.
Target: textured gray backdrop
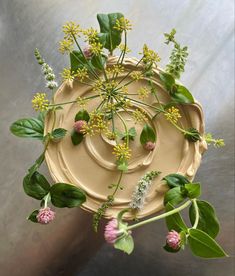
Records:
x=68, y=246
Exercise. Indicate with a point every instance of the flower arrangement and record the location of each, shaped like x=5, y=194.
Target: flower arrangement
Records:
x=109, y=85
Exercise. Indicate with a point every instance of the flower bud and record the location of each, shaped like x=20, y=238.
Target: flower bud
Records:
x=149, y=146
x=111, y=232
x=78, y=126
x=87, y=52
x=45, y=215
x=173, y=239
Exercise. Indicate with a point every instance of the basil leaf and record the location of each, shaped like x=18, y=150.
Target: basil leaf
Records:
x=192, y=135
x=33, y=216
x=173, y=196
x=182, y=95
x=208, y=221
x=58, y=134
x=82, y=115
x=193, y=189
x=202, y=245
x=76, y=138
x=175, y=221
x=36, y=186
x=28, y=128
x=125, y=244
x=174, y=180
x=109, y=36
x=147, y=135
x=167, y=80
x=66, y=195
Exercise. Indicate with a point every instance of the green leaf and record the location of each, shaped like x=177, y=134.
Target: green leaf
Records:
x=36, y=165
x=36, y=186
x=109, y=36
x=182, y=95
x=76, y=138
x=175, y=221
x=98, y=61
x=66, y=195
x=28, y=128
x=174, y=180
x=174, y=196
x=202, y=245
x=33, y=216
x=125, y=244
x=193, y=190
x=131, y=133
x=82, y=115
x=171, y=250
x=192, y=134
x=208, y=221
x=122, y=165
x=77, y=61
x=147, y=134
x=167, y=80
x=58, y=134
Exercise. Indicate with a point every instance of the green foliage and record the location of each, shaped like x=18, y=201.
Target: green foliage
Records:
x=125, y=243
x=174, y=180
x=174, y=196
x=123, y=135
x=76, y=138
x=36, y=186
x=66, y=195
x=193, y=190
x=122, y=164
x=202, y=245
x=82, y=115
x=98, y=61
x=192, y=135
x=77, y=61
x=147, y=135
x=109, y=36
x=58, y=133
x=208, y=221
x=33, y=216
x=28, y=128
x=175, y=221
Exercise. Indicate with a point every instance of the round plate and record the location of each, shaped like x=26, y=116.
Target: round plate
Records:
x=91, y=164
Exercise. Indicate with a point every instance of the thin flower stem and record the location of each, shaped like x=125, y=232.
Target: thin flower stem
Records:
x=152, y=106
x=86, y=98
x=125, y=126
x=176, y=210
x=196, y=213
x=118, y=184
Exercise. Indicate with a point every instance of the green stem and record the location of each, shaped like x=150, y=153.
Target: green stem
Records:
x=125, y=126
x=152, y=106
x=176, y=210
x=86, y=98
x=196, y=213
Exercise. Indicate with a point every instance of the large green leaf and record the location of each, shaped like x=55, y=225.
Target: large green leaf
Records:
x=125, y=244
x=109, y=36
x=202, y=245
x=175, y=180
x=182, y=95
x=208, y=221
x=66, y=195
x=193, y=189
x=28, y=128
x=175, y=221
x=58, y=134
x=167, y=80
x=36, y=186
x=77, y=61
x=174, y=196
x=147, y=135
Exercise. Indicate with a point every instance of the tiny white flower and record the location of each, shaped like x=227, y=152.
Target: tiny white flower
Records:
x=51, y=84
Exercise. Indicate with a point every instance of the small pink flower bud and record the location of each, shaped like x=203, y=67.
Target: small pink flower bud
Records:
x=111, y=232
x=149, y=146
x=45, y=215
x=79, y=125
x=87, y=52
x=173, y=239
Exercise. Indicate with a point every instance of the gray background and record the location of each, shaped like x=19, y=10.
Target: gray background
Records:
x=68, y=246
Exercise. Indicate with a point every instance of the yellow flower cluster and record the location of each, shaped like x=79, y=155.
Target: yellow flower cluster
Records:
x=123, y=24
x=67, y=74
x=82, y=102
x=91, y=35
x=70, y=30
x=136, y=75
x=115, y=69
x=122, y=48
x=149, y=55
x=139, y=116
x=40, y=102
x=122, y=151
x=96, y=48
x=143, y=92
x=173, y=115
x=66, y=46
x=81, y=74
x=96, y=124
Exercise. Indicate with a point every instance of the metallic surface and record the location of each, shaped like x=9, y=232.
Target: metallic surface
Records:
x=68, y=246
